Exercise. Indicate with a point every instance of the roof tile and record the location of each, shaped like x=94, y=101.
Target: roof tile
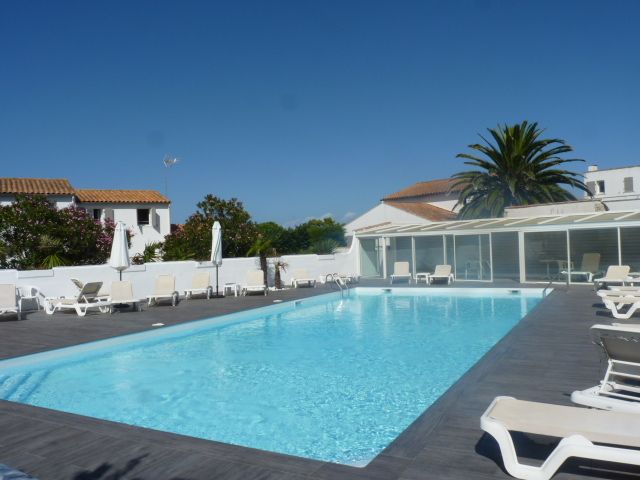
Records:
x=422, y=189
x=44, y=186
x=425, y=210
x=120, y=196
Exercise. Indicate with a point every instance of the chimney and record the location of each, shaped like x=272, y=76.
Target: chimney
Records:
x=592, y=168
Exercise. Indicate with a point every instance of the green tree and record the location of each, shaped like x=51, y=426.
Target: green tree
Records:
x=519, y=168
x=35, y=234
x=193, y=239
x=325, y=229
x=279, y=237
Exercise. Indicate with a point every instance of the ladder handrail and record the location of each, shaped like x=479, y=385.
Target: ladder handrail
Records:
x=337, y=279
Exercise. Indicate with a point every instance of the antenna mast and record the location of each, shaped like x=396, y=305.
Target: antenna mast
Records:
x=169, y=161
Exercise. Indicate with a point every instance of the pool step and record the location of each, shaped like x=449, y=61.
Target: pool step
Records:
x=18, y=388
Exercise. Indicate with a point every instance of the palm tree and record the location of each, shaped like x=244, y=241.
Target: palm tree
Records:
x=263, y=249
x=519, y=169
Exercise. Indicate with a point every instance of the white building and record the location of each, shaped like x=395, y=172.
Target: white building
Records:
x=618, y=188
x=145, y=213
x=422, y=202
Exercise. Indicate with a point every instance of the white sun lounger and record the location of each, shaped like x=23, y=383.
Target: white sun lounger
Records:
x=580, y=429
x=622, y=305
x=255, y=283
x=8, y=300
x=401, y=271
x=122, y=294
x=200, y=285
x=441, y=272
x=618, y=274
x=87, y=299
x=619, y=390
x=165, y=289
x=302, y=278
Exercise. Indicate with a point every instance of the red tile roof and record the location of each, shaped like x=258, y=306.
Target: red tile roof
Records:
x=423, y=189
x=44, y=186
x=121, y=196
x=424, y=210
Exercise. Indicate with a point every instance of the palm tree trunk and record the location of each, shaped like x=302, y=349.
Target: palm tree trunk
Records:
x=278, y=279
x=265, y=268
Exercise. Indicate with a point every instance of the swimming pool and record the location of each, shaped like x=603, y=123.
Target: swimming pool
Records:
x=329, y=378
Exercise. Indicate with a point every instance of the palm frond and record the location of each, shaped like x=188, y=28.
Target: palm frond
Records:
x=515, y=167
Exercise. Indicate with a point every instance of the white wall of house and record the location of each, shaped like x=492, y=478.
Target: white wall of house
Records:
x=618, y=188
x=159, y=221
x=56, y=282
x=560, y=208
x=382, y=213
x=60, y=201
x=446, y=203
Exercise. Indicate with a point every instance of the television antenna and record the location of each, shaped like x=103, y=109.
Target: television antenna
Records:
x=169, y=161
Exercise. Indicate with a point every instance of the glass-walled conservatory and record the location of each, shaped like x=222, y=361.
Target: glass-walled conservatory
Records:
x=576, y=248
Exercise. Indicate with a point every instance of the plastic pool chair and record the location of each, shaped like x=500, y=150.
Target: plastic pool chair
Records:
x=122, y=294
x=302, y=278
x=441, y=272
x=622, y=304
x=618, y=390
x=401, y=270
x=580, y=429
x=200, y=285
x=165, y=289
x=618, y=274
x=8, y=300
x=255, y=282
x=86, y=299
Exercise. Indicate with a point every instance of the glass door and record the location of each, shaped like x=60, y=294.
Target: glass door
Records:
x=370, y=257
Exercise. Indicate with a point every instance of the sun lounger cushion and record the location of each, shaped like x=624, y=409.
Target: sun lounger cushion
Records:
x=581, y=431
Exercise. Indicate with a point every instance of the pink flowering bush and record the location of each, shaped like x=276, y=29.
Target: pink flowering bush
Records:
x=35, y=234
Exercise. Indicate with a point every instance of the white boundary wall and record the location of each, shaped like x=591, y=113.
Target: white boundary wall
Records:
x=56, y=282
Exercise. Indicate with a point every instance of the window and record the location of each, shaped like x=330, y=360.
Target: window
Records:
x=429, y=253
x=628, y=184
x=143, y=216
x=506, y=259
x=97, y=213
x=399, y=250
x=591, y=186
x=545, y=255
x=592, y=251
x=473, y=260
x=600, y=184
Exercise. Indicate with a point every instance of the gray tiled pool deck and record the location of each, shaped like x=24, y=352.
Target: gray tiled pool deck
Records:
x=545, y=357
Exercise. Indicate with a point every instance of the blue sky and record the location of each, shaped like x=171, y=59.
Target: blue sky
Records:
x=304, y=108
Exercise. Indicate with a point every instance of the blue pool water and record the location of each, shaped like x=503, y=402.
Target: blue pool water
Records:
x=326, y=378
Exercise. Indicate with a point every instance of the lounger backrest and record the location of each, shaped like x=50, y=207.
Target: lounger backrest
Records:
x=121, y=291
x=619, y=272
x=255, y=278
x=77, y=283
x=301, y=274
x=165, y=285
x=619, y=343
x=200, y=280
x=89, y=291
x=590, y=262
x=7, y=295
x=442, y=271
x=401, y=268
